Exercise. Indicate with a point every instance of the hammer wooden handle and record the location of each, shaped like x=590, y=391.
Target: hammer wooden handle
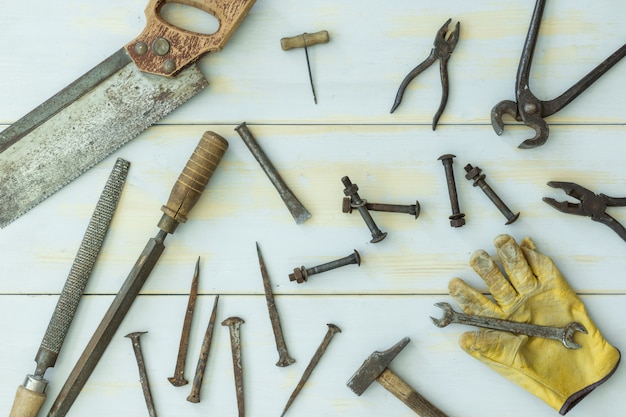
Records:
x=304, y=40
x=403, y=391
x=27, y=403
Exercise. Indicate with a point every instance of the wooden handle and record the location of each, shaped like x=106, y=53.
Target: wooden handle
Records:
x=306, y=39
x=27, y=403
x=178, y=47
x=403, y=391
x=194, y=177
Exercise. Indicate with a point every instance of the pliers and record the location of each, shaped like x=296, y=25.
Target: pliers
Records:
x=443, y=48
x=591, y=204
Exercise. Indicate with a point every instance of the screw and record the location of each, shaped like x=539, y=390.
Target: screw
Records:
x=457, y=218
x=302, y=274
x=233, y=324
x=194, y=396
x=474, y=173
x=413, y=209
x=351, y=191
x=143, y=375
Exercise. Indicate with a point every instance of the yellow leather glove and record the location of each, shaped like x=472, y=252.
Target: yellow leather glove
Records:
x=534, y=292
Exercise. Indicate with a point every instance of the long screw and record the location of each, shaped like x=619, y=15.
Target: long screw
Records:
x=178, y=380
x=143, y=375
x=332, y=329
x=413, y=209
x=474, y=173
x=457, y=218
x=283, y=355
x=302, y=274
x=351, y=191
x=233, y=324
x=194, y=396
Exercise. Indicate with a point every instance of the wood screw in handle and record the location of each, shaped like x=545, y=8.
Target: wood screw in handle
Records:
x=351, y=191
x=474, y=173
x=302, y=274
x=403, y=391
x=457, y=219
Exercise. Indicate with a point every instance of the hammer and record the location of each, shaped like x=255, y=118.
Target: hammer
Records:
x=375, y=368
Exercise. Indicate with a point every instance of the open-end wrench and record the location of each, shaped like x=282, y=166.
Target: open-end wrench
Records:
x=564, y=334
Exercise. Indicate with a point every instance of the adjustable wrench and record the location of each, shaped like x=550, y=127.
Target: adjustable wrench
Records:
x=563, y=334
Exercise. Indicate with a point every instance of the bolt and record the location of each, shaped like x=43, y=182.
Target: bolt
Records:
x=413, y=209
x=233, y=324
x=143, y=375
x=302, y=274
x=351, y=191
x=457, y=218
x=194, y=396
x=474, y=173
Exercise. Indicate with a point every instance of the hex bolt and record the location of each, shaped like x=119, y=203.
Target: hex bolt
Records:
x=457, y=218
x=143, y=375
x=351, y=191
x=302, y=274
x=413, y=209
x=474, y=173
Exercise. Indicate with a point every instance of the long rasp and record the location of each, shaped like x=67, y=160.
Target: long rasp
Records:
x=108, y=106
x=183, y=197
x=31, y=395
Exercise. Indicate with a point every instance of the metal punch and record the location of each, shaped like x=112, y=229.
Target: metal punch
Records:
x=442, y=50
x=591, y=204
x=528, y=108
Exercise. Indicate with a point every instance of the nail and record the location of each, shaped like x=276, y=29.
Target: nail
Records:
x=413, y=209
x=194, y=396
x=302, y=274
x=233, y=324
x=143, y=375
x=479, y=181
x=457, y=218
x=332, y=329
x=178, y=379
x=351, y=191
x=283, y=356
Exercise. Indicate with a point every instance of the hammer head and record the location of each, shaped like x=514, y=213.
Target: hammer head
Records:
x=373, y=366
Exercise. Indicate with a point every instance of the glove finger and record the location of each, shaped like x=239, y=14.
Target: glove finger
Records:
x=492, y=347
x=472, y=301
x=500, y=287
x=514, y=263
x=541, y=265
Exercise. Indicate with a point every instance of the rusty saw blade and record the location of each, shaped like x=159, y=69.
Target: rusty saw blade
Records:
x=108, y=106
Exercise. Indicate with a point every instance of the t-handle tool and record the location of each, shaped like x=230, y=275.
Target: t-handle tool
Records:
x=591, y=204
x=443, y=48
x=375, y=368
x=528, y=108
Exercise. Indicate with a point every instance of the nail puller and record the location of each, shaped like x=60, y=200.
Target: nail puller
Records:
x=591, y=204
x=443, y=48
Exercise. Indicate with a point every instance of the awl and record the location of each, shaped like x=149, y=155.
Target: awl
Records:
x=183, y=197
x=108, y=106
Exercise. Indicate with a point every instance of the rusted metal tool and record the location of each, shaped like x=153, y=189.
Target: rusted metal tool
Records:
x=31, y=395
x=332, y=330
x=283, y=355
x=304, y=41
x=194, y=396
x=233, y=324
x=296, y=208
x=457, y=219
x=412, y=209
x=375, y=368
x=443, y=48
x=183, y=197
x=352, y=190
x=474, y=173
x=302, y=274
x=143, y=374
x=591, y=204
x=563, y=334
x=528, y=108
x=178, y=380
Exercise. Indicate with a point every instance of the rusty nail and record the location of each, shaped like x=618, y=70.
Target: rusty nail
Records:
x=332, y=329
x=302, y=274
x=474, y=173
x=233, y=324
x=194, y=396
x=143, y=375
x=351, y=191
x=413, y=209
x=457, y=219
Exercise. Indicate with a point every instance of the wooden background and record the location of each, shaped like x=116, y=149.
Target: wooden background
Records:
x=392, y=158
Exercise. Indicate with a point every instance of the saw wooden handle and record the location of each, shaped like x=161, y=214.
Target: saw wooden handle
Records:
x=306, y=39
x=165, y=49
x=27, y=403
x=194, y=178
x=403, y=391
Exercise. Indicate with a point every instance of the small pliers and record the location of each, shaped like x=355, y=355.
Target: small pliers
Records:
x=591, y=204
x=443, y=48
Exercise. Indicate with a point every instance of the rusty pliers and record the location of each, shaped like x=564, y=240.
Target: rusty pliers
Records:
x=443, y=48
x=591, y=204
x=528, y=108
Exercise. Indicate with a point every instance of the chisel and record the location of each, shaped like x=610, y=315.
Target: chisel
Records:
x=183, y=197
x=31, y=395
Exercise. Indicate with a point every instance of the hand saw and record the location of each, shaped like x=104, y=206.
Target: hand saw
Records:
x=109, y=105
